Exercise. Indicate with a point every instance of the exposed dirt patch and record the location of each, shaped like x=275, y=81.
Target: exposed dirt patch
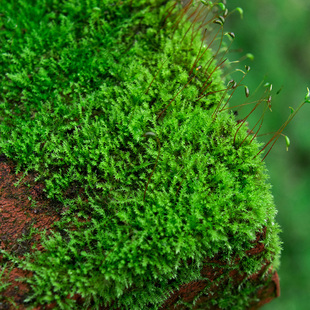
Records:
x=23, y=208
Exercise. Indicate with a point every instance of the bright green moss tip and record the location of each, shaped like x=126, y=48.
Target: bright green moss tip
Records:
x=93, y=95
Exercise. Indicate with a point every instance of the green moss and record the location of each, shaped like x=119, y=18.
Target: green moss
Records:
x=83, y=83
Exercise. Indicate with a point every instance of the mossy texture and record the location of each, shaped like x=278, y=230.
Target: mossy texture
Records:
x=94, y=93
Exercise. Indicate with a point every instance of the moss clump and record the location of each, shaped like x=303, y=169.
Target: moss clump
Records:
x=96, y=94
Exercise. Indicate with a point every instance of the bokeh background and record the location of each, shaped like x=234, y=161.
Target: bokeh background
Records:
x=278, y=34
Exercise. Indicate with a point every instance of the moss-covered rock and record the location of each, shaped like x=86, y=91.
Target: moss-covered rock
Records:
x=126, y=100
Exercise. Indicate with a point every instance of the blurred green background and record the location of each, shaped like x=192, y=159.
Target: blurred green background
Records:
x=278, y=34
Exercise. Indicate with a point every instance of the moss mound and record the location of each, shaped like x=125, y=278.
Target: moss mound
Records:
x=105, y=95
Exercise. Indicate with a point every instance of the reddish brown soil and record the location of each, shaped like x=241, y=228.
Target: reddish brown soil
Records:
x=17, y=214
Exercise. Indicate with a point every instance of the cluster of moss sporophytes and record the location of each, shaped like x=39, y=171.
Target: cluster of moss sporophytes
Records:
x=128, y=99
